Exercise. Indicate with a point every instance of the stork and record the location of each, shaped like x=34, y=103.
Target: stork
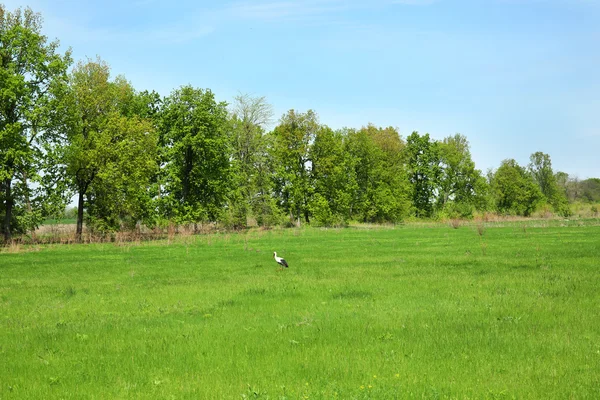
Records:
x=280, y=260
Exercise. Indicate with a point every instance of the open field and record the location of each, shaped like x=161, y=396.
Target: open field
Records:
x=501, y=311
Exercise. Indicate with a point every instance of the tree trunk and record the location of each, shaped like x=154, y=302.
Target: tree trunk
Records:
x=9, y=205
x=28, y=203
x=79, y=231
x=187, y=171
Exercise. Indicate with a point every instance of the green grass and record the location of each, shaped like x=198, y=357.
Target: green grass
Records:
x=61, y=221
x=410, y=312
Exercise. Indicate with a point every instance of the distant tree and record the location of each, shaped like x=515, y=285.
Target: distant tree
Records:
x=264, y=202
x=462, y=188
x=29, y=68
x=514, y=190
x=291, y=141
x=591, y=190
x=383, y=190
x=424, y=171
x=197, y=179
x=540, y=168
x=574, y=189
x=569, y=186
x=332, y=177
x=249, y=117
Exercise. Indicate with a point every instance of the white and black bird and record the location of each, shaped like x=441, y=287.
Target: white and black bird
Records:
x=280, y=260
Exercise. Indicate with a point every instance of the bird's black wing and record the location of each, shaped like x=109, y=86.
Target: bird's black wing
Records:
x=284, y=263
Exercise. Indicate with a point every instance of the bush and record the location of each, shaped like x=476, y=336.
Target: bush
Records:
x=322, y=214
x=454, y=210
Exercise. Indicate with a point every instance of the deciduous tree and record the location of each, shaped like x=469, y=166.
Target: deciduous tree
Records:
x=424, y=172
x=383, y=192
x=514, y=189
x=249, y=118
x=291, y=141
x=333, y=177
x=462, y=187
x=109, y=156
x=29, y=67
x=540, y=168
x=193, y=128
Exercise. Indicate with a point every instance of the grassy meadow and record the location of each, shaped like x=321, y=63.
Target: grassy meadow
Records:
x=414, y=311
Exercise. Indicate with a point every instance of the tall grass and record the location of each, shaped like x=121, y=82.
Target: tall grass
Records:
x=406, y=312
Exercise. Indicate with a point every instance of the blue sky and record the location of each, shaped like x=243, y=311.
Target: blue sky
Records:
x=513, y=76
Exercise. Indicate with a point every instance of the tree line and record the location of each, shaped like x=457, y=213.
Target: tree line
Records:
x=70, y=130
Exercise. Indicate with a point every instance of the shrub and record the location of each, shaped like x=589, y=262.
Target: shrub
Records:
x=322, y=214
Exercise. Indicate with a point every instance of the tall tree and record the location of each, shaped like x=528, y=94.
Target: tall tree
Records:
x=514, y=189
x=88, y=103
x=333, y=178
x=382, y=193
x=193, y=129
x=120, y=195
x=109, y=157
x=540, y=168
x=424, y=169
x=249, y=118
x=462, y=187
x=590, y=190
x=569, y=186
x=291, y=141
x=29, y=67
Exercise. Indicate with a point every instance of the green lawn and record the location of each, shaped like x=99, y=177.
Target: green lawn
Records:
x=409, y=312
x=62, y=221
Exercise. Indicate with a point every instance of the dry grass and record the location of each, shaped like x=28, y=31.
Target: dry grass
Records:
x=455, y=223
x=65, y=233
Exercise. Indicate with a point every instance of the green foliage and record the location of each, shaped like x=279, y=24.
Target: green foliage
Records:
x=120, y=197
x=290, y=151
x=590, y=189
x=424, y=171
x=29, y=68
x=70, y=213
x=514, y=189
x=197, y=175
x=456, y=210
x=333, y=178
x=382, y=188
x=322, y=215
x=134, y=158
x=110, y=156
x=251, y=183
x=462, y=188
x=540, y=168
